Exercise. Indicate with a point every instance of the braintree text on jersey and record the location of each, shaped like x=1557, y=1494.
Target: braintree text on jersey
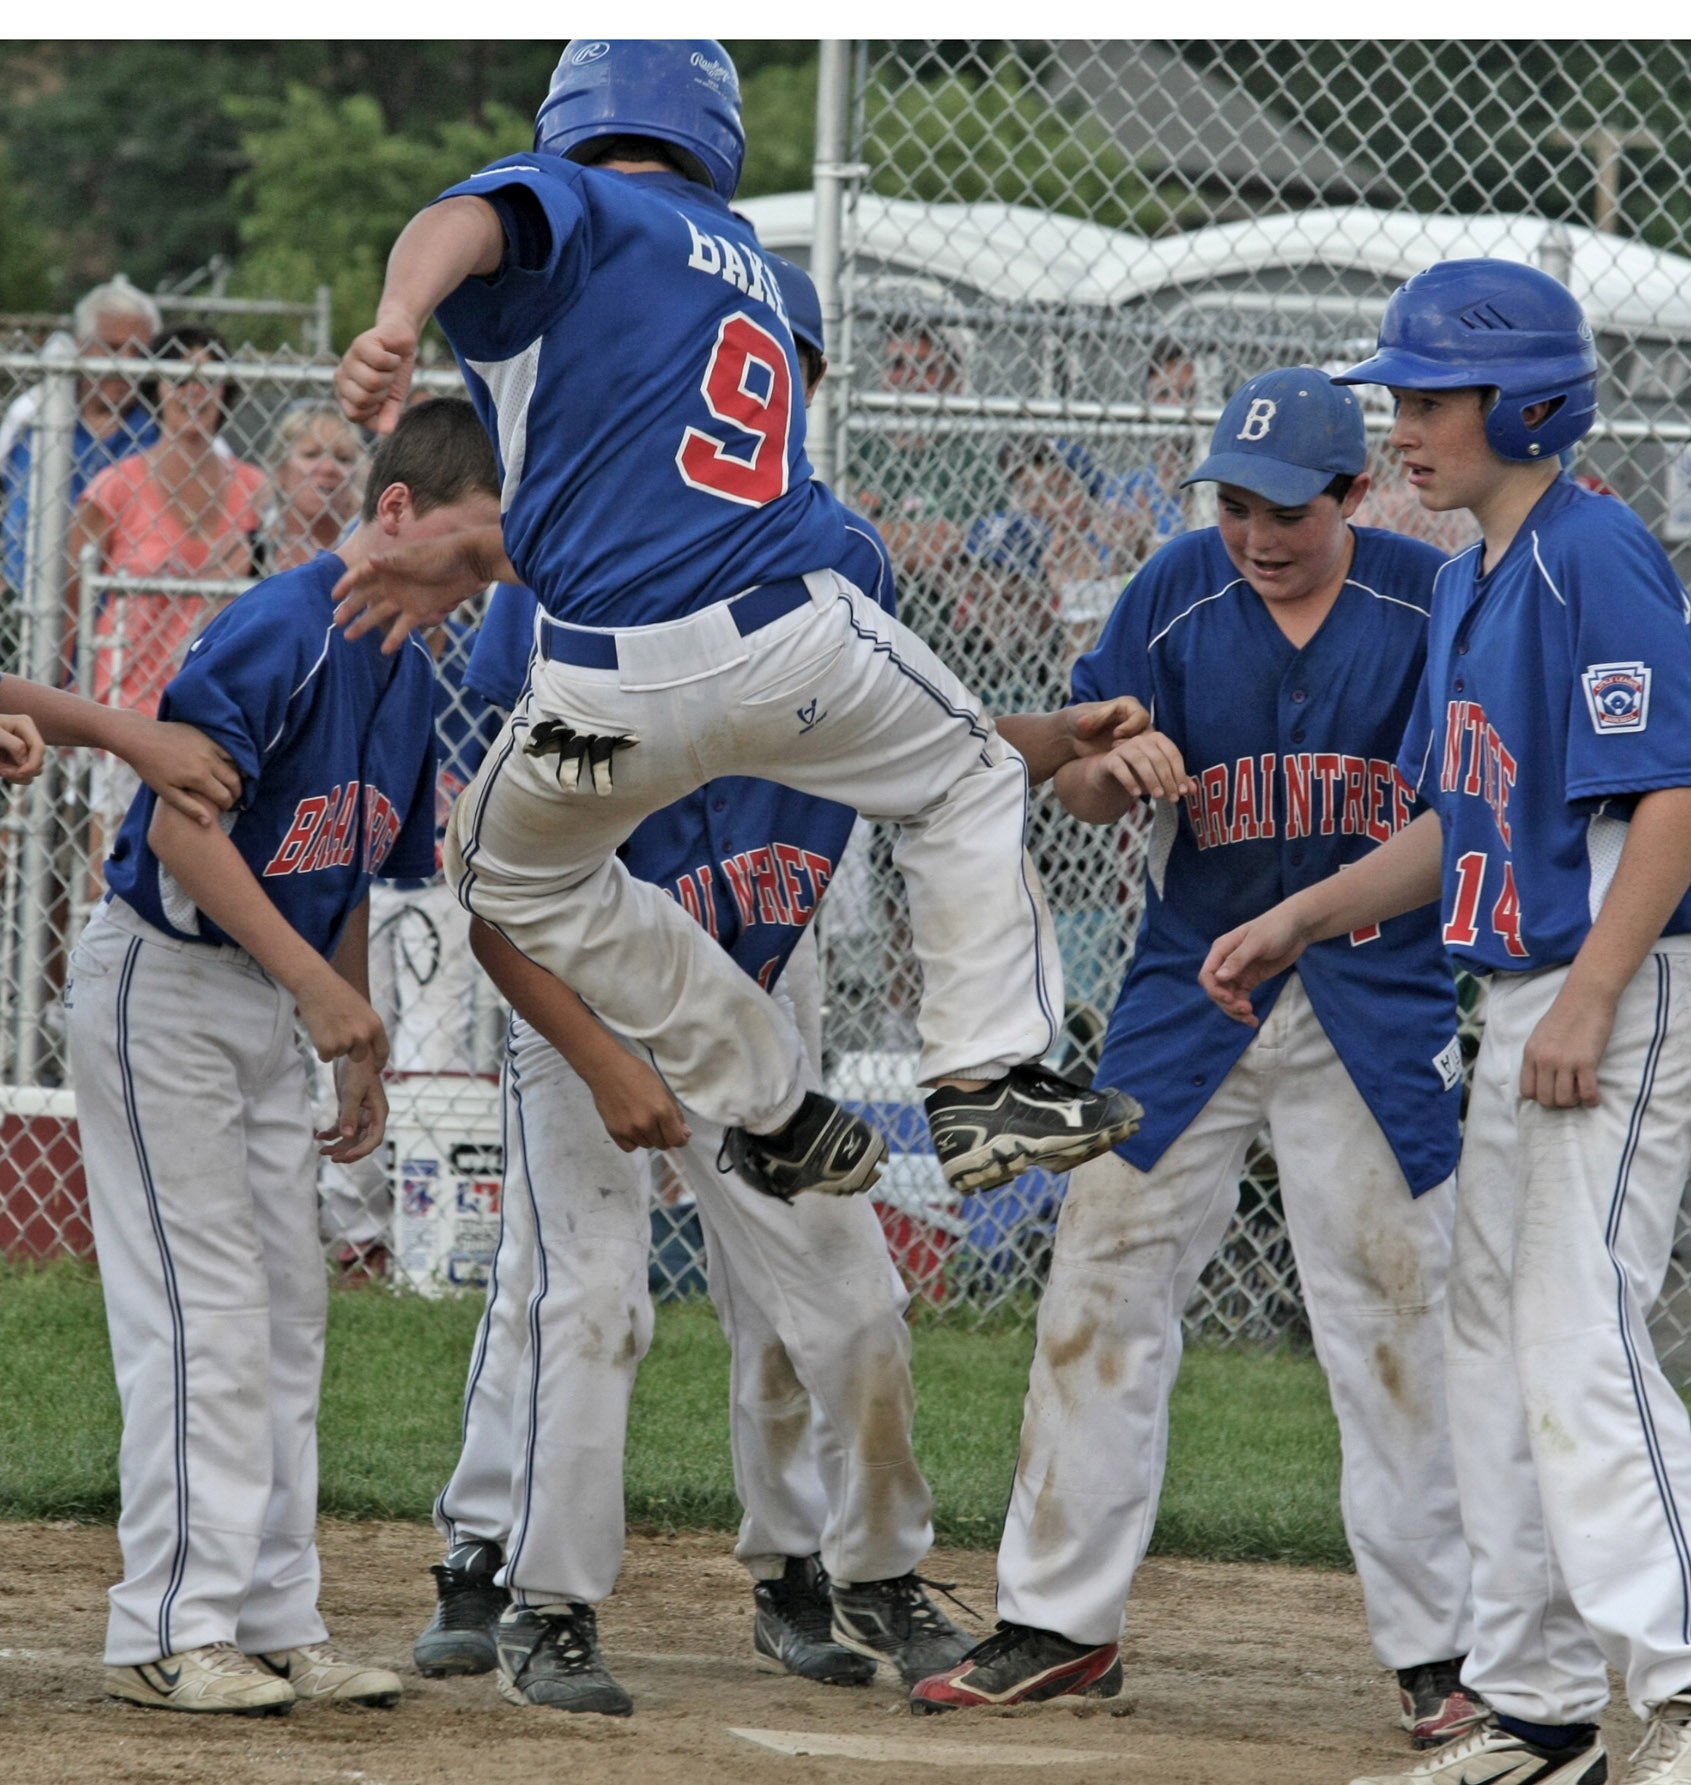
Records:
x=325, y=833
x=1321, y=792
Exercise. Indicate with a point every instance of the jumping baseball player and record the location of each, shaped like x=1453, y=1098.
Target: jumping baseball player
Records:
x=193, y=1104
x=1552, y=737
x=837, y=1514
x=602, y=298
x=1278, y=653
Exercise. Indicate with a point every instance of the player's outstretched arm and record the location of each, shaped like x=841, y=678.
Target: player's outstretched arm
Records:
x=1046, y=741
x=1559, y=1065
x=436, y=252
x=180, y=764
x=211, y=871
x=418, y=585
x=636, y=1106
x=1400, y=875
x=22, y=751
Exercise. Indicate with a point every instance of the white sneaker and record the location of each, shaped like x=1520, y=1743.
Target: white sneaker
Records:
x=1664, y=1755
x=1491, y=1756
x=314, y=1671
x=217, y=1677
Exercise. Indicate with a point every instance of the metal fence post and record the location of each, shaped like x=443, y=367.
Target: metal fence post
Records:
x=52, y=469
x=833, y=90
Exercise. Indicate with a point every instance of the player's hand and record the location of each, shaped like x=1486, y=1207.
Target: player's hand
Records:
x=22, y=753
x=412, y=586
x=1097, y=724
x=637, y=1107
x=340, y=1022
x=1241, y=960
x=374, y=376
x=1148, y=766
x=1559, y=1064
x=182, y=766
x=362, y=1117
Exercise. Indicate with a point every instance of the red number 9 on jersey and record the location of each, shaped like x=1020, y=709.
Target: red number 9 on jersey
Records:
x=745, y=357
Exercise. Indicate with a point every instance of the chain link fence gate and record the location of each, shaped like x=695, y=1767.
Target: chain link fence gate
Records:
x=1044, y=267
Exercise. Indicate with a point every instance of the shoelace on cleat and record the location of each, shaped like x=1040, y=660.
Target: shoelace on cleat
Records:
x=1662, y=1735
x=910, y=1609
x=568, y=1636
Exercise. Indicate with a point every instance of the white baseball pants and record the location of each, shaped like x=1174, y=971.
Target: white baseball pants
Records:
x=836, y=699
x=821, y=1397
x=1573, y=1451
x=196, y=1140
x=1130, y=1248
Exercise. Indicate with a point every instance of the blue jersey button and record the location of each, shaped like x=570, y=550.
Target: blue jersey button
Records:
x=1299, y=696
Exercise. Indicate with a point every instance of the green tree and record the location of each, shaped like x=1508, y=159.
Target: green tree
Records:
x=328, y=185
x=26, y=247
x=974, y=135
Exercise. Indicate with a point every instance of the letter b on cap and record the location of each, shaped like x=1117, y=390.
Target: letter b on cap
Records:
x=1258, y=419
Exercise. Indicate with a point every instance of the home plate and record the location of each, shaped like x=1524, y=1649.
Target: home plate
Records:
x=894, y=1748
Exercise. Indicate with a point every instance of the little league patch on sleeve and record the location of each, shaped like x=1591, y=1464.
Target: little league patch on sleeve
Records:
x=1618, y=695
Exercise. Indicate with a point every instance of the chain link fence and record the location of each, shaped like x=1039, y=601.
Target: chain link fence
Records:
x=1045, y=266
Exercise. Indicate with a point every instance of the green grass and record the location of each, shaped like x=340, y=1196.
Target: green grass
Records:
x=1253, y=1453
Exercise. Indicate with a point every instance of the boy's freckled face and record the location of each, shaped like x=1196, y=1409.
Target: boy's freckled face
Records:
x=1440, y=437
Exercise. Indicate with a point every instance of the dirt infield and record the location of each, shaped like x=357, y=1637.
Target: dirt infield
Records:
x=1235, y=1676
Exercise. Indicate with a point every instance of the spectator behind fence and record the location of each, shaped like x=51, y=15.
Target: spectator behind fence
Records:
x=181, y=509
x=113, y=319
x=921, y=484
x=317, y=466
x=1150, y=496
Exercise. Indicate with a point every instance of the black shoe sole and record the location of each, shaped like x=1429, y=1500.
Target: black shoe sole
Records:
x=456, y=1665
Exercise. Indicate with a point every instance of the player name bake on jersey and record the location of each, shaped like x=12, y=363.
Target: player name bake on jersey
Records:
x=1471, y=739
x=778, y=884
x=742, y=268
x=1322, y=792
x=324, y=833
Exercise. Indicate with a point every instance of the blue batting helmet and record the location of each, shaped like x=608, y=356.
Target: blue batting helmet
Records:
x=684, y=93
x=1496, y=323
x=803, y=301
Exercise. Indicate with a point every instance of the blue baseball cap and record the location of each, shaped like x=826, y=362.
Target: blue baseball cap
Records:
x=804, y=307
x=1286, y=435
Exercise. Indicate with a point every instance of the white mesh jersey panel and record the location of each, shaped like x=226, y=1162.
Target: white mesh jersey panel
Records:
x=510, y=382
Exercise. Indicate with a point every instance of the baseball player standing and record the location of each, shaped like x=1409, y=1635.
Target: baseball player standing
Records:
x=194, y=1110
x=603, y=299
x=1552, y=736
x=1278, y=653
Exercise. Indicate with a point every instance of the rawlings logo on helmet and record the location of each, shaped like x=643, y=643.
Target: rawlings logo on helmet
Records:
x=717, y=71
x=589, y=52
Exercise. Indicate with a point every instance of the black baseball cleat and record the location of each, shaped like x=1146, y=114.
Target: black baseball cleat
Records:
x=1029, y=1119
x=792, y=1629
x=895, y=1620
x=549, y=1655
x=823, y=1148
x=460, y=1637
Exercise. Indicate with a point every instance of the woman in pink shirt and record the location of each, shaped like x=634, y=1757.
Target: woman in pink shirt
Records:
x=180, y=509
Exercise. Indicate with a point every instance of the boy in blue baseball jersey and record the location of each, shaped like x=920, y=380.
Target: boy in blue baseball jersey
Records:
x=193, y=1104
x=622, y=334
x=1279, y=653
x=1552, y=738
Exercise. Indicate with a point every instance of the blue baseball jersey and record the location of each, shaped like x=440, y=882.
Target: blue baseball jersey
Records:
x=1294, y=754
x=336, y=748
x=747, y=858
x=1557, y=690
x=633, y=363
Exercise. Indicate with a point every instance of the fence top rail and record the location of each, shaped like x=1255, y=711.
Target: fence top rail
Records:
x=216, y=588
x=281, y=370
